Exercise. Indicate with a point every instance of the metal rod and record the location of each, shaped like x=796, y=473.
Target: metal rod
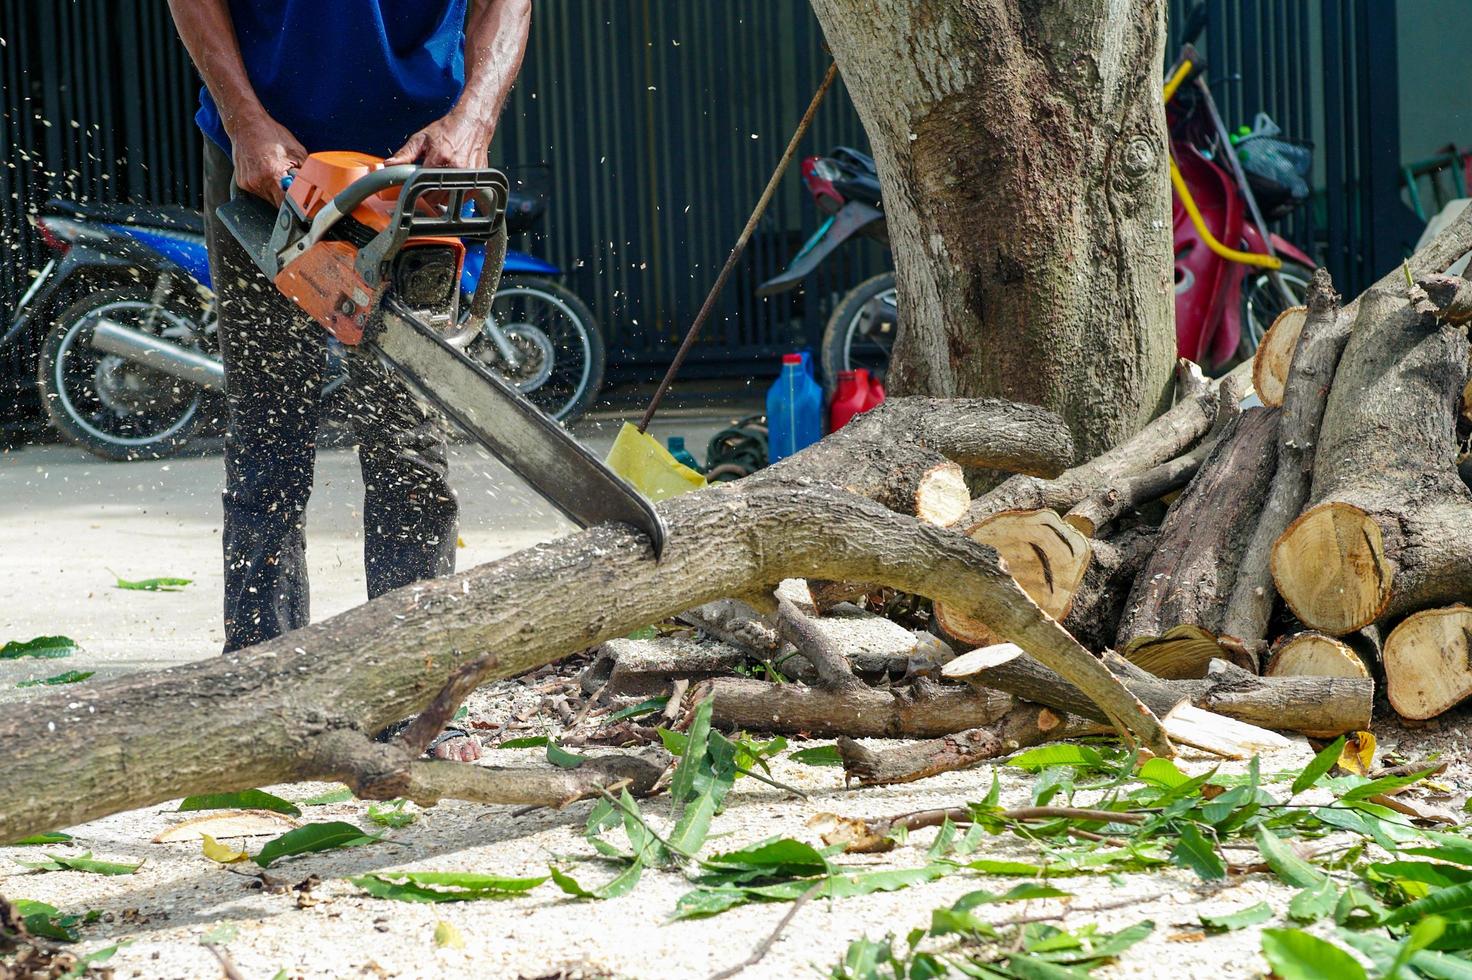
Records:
x=739, y=247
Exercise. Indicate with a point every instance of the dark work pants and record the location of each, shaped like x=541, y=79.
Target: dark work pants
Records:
x=274, y=362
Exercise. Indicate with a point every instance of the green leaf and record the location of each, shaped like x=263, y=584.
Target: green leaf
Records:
x=68, y=677
x=1385, y=784
x=1162, y=773
x=822, y=755
x=775, y=857
x=447, y=936
x=644, y=633
x=340, y=795
x=1013, y=869
x=562, y=758
x=638, y=710
x=525, y=742
x=1194, y=851
x=1382, y=952
x=1443, y=900
x=164, y=584
x=1241, y=919
x=698, y=788
x=620, y=884
x=443, y=886
x=1314, y=903
x=55, y=837
x=704, y=901
x=246, y=799
x=1425, y=932
x=83, y=862
x=1321, y=764
x=42, y=648
x=391, y=814
x=1296, y=955
x=1285, y=862
x=311, y=838
x=46, y=920
x=1061, y=754
x=1449, y=847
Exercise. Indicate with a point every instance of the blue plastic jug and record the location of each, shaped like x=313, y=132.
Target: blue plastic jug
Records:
x=677, y=449
x=794, y=410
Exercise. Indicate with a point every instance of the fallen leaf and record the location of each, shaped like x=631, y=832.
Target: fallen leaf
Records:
x=1358, y=755
x=231, y=823
x=69, y=677
x=163, y=584
x=42, y=648
x=220, y=853
x=447, y=936
x=246, y=799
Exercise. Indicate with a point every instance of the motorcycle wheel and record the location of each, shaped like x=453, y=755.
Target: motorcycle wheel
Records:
x=1261, y=304
x=559, y=341
x=853, y=338
x=110, y=406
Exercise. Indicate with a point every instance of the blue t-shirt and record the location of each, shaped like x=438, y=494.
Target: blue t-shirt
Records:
x=359, y=75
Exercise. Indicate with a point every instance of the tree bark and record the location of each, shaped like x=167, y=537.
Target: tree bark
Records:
x=1163, y=440
x=927, y=711
x=1100, y=600
x=1310, y=374
x=1022, y=152
x=1390, y=529
x=1023, y=726
x=1312, y=705
x=1190, y=574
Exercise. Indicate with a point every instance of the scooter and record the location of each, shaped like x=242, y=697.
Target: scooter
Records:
x=1232, y=275
x=123, y=320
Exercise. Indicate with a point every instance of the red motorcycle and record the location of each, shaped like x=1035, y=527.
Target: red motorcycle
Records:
x=1232, y=276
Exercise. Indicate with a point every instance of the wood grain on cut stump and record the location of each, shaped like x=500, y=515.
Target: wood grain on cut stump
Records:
x=1330, y=567
x=1275, y=355
x=1044, y=555
x=1428, y=662
x=1311, y=654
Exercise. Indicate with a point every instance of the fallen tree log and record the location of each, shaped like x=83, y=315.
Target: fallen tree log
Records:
x=1389, y=531
x=1428, y=662
x=1314, y=359
x=1188, y=578
x=1311, y=705
x=1310, y=654
x=291, y=709
x=1169, y=436
x=1272, y=363
x=1023, y=726
x=926, y=711
x=1100, y=600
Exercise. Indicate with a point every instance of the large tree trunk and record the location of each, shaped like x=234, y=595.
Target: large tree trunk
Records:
x=1022, y=151
x=303, y=706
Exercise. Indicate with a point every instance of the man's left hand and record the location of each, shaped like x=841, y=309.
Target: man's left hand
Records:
x=450, y=141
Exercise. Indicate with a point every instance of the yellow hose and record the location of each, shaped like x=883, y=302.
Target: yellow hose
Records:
x=1179, y=182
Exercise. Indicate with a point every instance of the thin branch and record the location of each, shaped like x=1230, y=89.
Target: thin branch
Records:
x=766, y=945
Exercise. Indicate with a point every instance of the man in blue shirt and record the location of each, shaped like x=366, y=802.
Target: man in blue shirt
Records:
x=416, y=81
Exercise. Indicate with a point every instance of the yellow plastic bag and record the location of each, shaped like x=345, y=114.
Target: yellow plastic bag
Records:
x=639, y=458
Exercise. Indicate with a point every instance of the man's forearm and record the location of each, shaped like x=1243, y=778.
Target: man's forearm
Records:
x=495, y=42
x=208, y=33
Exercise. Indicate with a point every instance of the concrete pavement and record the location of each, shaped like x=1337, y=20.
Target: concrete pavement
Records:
x=71, y=523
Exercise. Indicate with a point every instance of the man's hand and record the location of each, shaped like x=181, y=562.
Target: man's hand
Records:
x=454, y=140
x=264, y=151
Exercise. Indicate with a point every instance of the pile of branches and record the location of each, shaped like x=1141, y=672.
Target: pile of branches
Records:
x=1221, y=573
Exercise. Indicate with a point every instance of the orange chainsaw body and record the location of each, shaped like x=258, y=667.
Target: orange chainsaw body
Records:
x=325, y=281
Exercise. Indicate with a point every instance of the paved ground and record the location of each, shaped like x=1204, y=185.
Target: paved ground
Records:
x=70, y=523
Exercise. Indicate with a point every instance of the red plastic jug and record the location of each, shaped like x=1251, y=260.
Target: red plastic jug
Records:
x=873, y=390
x=848, y=400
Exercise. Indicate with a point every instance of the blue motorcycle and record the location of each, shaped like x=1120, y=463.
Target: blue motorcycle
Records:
x=128, y=362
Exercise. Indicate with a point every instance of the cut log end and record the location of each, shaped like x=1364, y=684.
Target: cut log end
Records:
x=1428, y=662
x=1044, y=555
x=941, y=498
x=1315, y=655
x=1275, y=355
x=1330, y=568
x=1183, y=652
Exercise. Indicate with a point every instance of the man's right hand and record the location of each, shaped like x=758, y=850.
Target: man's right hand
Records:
x=264, y=151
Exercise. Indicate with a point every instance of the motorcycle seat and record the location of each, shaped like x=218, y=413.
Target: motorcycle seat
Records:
x=171, y=217
x=523, y=211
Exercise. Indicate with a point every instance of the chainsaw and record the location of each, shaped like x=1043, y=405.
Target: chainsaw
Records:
x=374, y=254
